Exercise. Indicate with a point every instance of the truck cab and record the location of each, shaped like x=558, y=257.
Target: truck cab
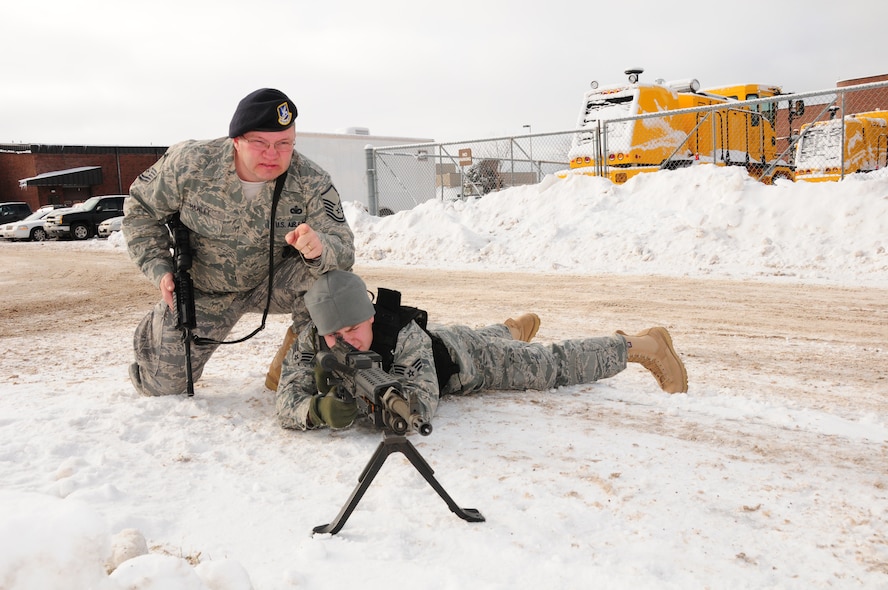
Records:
x=14, y=211
x=731, y=135
x=822, y=155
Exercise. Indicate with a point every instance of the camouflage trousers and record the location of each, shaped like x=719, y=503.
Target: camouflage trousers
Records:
x=159, y=367
x=489, y=359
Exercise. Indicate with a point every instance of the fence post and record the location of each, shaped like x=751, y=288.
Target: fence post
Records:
x=843, y=143
x=372, y=190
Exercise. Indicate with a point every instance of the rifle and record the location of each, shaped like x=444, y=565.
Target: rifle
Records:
x=183, y=293
x=358, y=376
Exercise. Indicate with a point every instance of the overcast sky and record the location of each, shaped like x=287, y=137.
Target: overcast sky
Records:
x=106, y=72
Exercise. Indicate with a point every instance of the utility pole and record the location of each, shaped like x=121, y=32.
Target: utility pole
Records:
x=532, y=167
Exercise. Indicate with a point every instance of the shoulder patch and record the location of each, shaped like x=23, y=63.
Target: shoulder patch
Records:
x=332, y=205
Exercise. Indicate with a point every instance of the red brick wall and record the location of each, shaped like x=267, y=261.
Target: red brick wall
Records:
x=12, y=167
x=119, y=170
x=855, y=102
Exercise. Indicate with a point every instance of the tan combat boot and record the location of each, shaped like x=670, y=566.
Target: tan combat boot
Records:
x=525, y=327
x=653, y=349
x=274, y=369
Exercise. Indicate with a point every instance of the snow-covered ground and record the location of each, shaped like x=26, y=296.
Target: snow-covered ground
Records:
x=576, y=494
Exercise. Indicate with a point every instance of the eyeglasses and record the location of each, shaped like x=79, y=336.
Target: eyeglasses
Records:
x=260, y=145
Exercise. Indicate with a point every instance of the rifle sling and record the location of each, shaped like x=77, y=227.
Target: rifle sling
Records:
x=391, y=317
x=278, y=189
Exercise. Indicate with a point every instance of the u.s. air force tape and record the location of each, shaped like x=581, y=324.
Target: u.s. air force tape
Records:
x=149, y=174
x=332, y=204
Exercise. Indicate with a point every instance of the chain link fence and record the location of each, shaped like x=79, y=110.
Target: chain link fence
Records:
x=401, y=177
x=637, y=128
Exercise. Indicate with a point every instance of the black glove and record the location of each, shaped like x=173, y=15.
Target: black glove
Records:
x=332, y=411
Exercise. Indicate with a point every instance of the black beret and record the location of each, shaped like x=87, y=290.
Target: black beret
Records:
x=265, y=109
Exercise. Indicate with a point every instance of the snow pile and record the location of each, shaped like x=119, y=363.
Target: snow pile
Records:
x=699, y=221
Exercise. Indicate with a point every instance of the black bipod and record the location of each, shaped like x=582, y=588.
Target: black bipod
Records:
x=393, y=443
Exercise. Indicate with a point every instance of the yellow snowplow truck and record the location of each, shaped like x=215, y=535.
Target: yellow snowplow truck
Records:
x=820, y=155
x=627, y=129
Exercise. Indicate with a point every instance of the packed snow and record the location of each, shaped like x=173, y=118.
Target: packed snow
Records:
x=210, y=493
x=700, y=221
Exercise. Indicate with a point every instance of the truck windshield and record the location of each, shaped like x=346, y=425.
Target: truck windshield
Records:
x=821, y=145
x=608, y=108
x=89, y=204
x=599, y=111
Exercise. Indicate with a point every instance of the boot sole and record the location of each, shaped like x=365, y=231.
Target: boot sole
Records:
x=535, y=329
x=664, y=333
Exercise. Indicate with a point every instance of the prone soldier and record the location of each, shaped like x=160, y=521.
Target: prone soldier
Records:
x=430, y=361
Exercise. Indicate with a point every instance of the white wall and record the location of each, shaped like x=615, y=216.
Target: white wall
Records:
x=343, y=155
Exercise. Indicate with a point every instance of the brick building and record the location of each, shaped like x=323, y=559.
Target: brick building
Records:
x=855, y=101
x=64, y=174
x=865, y=100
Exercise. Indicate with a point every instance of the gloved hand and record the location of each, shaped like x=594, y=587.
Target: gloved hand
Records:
x=332, y=411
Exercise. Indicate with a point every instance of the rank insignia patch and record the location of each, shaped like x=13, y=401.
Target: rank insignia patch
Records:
x=148, y=175
x=332, y=205
x=409, y=372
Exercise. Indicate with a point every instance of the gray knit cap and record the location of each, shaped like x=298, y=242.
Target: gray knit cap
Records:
x=337, y=300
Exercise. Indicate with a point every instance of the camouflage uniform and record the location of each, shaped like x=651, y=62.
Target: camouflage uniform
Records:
x=229, y=235
x=489, y=359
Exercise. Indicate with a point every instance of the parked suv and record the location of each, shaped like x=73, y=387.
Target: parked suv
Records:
x=82, y=222
x=10, y=212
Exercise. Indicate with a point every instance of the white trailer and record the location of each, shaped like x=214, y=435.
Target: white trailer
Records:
x=344, y=156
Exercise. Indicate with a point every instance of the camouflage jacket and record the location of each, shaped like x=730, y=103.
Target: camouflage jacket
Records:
x=413, y=367
x=229, y=233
